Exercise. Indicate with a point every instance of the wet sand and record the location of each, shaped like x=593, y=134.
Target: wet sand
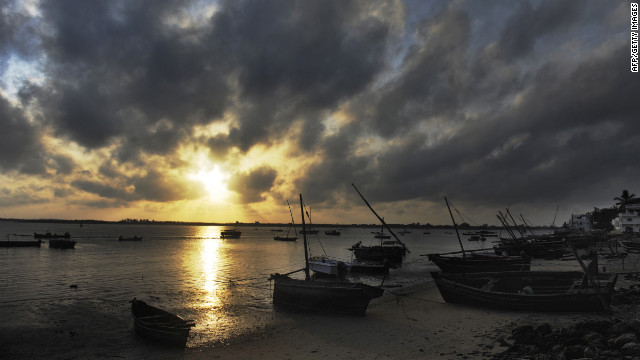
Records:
x=417, y=324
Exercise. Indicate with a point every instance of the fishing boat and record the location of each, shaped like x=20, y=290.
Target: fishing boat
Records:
x=62, y=243
x=230, y=233
x=49, y=235
x=132, y=238
x=480, y=262
x=367, y=267
x=287, y=237
x=159, y=325
x=325, y=265
x=528, y=290
x=20, y=243
x=630, y=246
x=332, y=232
x=392, y=250
x=312, y=295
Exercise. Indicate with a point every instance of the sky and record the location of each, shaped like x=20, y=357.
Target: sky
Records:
x=222, y=111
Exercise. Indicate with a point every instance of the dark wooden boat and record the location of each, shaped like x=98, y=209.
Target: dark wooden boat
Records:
x=315, y=295
x=528, y=291
x=49, y=235
x=387, y=250
x=332, y=232
x=330, y=296
x=285, y=238
x=230, y=233
x=479, y=262
x=20, y=243
x=366, y=267
x=133, y=238
x=62, y=243
x=159, y=325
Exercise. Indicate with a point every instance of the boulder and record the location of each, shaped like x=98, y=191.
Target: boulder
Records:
x=618, y=342
x=630, y=349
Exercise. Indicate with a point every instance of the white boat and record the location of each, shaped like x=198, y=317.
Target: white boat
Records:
x=327, y=266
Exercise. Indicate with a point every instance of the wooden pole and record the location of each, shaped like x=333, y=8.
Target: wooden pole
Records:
x=304, y=236
x=455, y=226
x=381, y=219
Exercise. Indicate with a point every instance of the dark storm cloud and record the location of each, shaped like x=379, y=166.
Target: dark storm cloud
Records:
x=20, y=147
x=253, y=185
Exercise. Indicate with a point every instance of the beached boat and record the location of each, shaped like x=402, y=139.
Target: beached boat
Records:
x=630, y=246
x=291, y=227
x=326, y=266
x=367, y=267
x=480, y=262
x=528, y=291
x=313, y=295
x=230, y=233
x=62, y=243
x=159, y=325
x=131, y=238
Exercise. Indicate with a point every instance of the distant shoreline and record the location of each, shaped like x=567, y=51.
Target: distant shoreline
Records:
x=423, y=227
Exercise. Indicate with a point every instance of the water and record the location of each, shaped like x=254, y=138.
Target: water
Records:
x=221, y=284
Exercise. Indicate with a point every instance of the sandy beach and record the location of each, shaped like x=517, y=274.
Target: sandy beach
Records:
x=411, y=325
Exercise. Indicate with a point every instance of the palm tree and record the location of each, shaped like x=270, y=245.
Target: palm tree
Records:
x=624, y=199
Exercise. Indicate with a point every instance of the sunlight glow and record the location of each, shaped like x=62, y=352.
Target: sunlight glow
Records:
x=214, y=181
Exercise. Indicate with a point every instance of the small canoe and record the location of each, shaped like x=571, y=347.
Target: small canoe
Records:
x=159, y=325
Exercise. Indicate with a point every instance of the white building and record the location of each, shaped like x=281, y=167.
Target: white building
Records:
x=580, y=222
x=629, y=219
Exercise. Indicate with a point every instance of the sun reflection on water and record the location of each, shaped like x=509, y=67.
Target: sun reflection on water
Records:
x=210, y=255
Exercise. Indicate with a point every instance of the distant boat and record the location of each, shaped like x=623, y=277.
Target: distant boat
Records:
x=477, y=238
x=159, y=325
x=329, y=296
x=62, y=243
x=404, y=232
x=309, y=232
x=332, y=232
x=20, y=243
x=527, y=291
x=132, y=238
x=49, y=235
x=230, y=233
x=287, y=237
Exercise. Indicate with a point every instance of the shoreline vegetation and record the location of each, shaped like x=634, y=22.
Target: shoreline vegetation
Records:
x=463, y=226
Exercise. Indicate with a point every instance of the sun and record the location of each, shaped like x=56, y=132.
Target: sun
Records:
x=214, y=181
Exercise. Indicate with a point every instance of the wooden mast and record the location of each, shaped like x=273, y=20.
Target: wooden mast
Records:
x=293, y=222
x=304, y=236
x=381, y=219
x=455, y=226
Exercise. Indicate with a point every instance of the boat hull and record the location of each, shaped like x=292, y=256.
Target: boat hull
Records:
x=327, y=266
x=159, y=325
x=550, y=291
x=393, y=254
x=323, y=296
x=285, y=238
x=454, y=264
x=27, y=243
x=62, y=244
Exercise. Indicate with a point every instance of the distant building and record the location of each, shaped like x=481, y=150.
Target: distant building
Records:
x=580, y=222
x=628, y=219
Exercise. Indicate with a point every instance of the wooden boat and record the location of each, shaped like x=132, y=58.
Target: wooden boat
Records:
x=480, y=262
x=527, y=291
x=477, y=238
x=133, y=238
x=332, y=232
x=49, y=235
x=630, y=246
x=367, y=267
x=230, y=233
x=287, y=237
x=62, y=243
x=312, y=295
x=326, y=266
x=20, y=243
x=159, y=325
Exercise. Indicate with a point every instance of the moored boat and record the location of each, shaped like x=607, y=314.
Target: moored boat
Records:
x=20, y=243
x=332, y=232
x=159, y=325
x=312, y=295
x=528, y=291
x=62, y=243
x=230, y=233
x=291, y=227
x=326, y=266
x=132, y=238
x=480, y=262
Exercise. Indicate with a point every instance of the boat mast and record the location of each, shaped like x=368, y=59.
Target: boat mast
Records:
x=379, y=218
x=292, y=221
x=304, y=236
x=455, y=226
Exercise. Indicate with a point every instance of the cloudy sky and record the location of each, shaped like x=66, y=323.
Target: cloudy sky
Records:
x=224, y=110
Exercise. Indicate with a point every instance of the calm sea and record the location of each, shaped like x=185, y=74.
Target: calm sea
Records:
x=219, y=283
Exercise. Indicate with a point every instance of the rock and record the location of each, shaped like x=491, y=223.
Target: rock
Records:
x=635, y=325
x=621, y=340
x=587, y=339
x=523, y=334
x=590, y=352
x=630, y=349
x=543, y=330
x=620, y=328
x=558, y=348
x=574, y=352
